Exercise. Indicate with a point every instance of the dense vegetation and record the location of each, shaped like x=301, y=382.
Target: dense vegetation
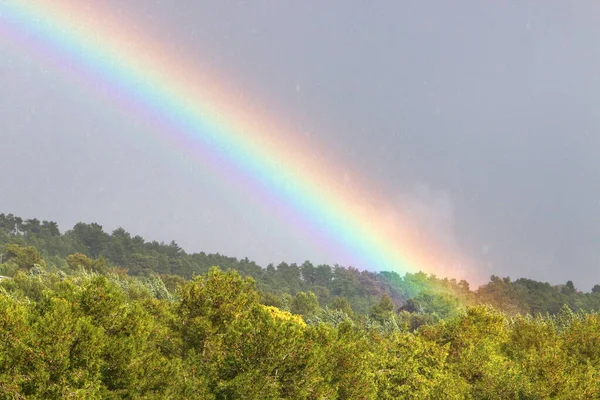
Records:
x=87, y=314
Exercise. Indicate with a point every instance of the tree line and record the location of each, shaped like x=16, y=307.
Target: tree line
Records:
x=87, y=314
x=286, y=284
x=107, y=335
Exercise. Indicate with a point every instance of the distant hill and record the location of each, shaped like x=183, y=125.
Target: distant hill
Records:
x=278, y=284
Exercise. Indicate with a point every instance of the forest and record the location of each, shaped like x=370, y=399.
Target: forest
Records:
x=91, y=314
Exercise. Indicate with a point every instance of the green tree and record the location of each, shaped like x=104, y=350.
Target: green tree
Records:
x=384, y=310
x=305, y=304
x=342, y=304
x=443, y=305
x=569, y=288
x=24, y=257
x=79, y=260
x=92, y=237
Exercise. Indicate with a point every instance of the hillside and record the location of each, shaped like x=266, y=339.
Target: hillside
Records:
x=279, y=284
x=86, y=314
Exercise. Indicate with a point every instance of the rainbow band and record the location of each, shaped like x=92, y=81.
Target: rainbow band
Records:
x=195, y=114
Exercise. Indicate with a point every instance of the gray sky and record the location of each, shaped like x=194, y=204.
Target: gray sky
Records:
x=480, y=116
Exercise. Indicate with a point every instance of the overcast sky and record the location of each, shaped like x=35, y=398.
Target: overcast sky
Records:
x=480, y=115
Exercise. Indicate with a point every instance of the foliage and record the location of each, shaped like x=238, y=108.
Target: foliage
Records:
x=24, y=243
x=94, y=315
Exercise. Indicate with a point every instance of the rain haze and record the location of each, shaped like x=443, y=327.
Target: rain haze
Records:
x=481, y=118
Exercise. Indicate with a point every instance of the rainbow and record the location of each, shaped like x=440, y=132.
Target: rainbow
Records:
x=203, y=117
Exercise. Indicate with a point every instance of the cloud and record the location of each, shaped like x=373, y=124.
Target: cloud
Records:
x=433, y=218
x=433, y=214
